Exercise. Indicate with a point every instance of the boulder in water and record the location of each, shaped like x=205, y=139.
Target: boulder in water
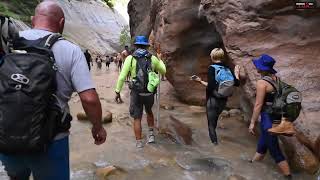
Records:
x=103, y=173
x=107, y=118
x=167, y=106
x=82, y=116
x=235, y=112
x=178, y=131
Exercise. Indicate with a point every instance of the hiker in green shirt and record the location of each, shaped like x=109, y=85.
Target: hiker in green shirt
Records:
x=142, y=67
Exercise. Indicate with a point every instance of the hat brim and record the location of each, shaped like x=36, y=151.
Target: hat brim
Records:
x=257, y=63
x=142, y=43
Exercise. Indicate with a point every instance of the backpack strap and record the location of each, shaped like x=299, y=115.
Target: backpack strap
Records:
x=217, y=68
x=274, y=84
x=52, y=39
x=8, y=32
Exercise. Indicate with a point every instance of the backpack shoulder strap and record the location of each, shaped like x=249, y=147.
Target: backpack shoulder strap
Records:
x=272, y=82
x=8, y=32
x=52, y=39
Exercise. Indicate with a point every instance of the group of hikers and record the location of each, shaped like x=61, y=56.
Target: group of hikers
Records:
x=34, y=95
x=99, y=59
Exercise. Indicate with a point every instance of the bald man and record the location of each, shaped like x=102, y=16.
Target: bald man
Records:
x=72, y=76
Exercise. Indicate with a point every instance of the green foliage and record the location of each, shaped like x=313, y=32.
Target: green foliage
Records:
x=125, y=38
x=19, y=9
x=110, y=3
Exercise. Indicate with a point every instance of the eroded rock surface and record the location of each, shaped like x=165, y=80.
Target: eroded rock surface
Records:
x=188, y=30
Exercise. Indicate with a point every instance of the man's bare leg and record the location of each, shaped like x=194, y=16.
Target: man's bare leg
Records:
x=150, y=120
x=138, y=132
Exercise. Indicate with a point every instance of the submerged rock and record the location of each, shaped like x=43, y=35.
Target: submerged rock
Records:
x=107, y=117
x=167, y=106
x=235, y=112
x=82, y=116
x=236, y=177
x=111, y=172
x=191, y=161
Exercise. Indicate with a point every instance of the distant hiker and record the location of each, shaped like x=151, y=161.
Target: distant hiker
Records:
x=108, y=61
x=220, y=85
x=119, y=61
x=124, y=54
x=142, y=66
x=88, y=58
x=36, y=87
x=264, y=98
x=99, y=62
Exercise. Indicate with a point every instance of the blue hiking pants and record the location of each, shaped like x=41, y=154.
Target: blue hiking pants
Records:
x=53, y=165
x=268, y=141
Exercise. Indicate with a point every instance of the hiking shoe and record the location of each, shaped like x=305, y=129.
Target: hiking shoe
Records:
x=151, y=139
x=285, y=128
x=139, y=144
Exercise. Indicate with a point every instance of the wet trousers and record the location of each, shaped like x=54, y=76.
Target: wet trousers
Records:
x=214, y=108
x=268, y=141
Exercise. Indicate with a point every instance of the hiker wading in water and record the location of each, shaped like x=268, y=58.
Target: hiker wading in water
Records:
x=142, y=67
x=264, y=97
x=219, y=87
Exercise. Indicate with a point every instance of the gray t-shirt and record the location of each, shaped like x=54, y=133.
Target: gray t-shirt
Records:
x=73, y=74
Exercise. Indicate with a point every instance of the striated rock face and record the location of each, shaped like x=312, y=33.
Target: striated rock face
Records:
x=247, y=28
x=92, y=25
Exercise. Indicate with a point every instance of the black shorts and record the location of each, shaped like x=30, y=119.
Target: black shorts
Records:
x=137, y=102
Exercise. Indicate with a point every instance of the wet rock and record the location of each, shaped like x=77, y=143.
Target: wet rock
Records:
x=225, y=114
x=175, y=129
x=195, y=162
x=82, y=116
x=107, y=118
x=299, y=156
x=236, y=177
x=104, y=173
x=235, y=112
x=167, y=106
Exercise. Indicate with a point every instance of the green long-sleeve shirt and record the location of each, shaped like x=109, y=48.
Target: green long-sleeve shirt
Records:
x=156, y=64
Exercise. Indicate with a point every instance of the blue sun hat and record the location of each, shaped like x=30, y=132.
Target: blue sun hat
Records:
x=265, y=63
x=141, y=40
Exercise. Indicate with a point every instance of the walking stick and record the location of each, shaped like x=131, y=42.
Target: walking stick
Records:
x=158, y=49
x=158, y=104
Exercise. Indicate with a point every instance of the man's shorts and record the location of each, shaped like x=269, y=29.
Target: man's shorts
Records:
x=53, y=165
x=137, y=102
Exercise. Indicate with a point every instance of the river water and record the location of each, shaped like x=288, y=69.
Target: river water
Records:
x=165, y=160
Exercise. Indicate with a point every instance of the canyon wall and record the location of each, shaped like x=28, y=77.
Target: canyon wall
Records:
x=188, y=29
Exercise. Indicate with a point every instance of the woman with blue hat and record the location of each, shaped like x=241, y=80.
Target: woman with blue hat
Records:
x=264, y=98
x=142, y=67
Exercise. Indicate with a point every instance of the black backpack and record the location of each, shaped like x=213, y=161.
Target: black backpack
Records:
x=139, y=83
x=28, y=114
x=287, y=100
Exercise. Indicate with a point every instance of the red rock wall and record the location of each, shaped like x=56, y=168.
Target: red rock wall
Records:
x=248, y=28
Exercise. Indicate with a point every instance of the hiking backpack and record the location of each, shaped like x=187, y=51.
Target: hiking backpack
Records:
x=225, y=81
x=27, y=96
x=146, y=80
x=287, y=100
